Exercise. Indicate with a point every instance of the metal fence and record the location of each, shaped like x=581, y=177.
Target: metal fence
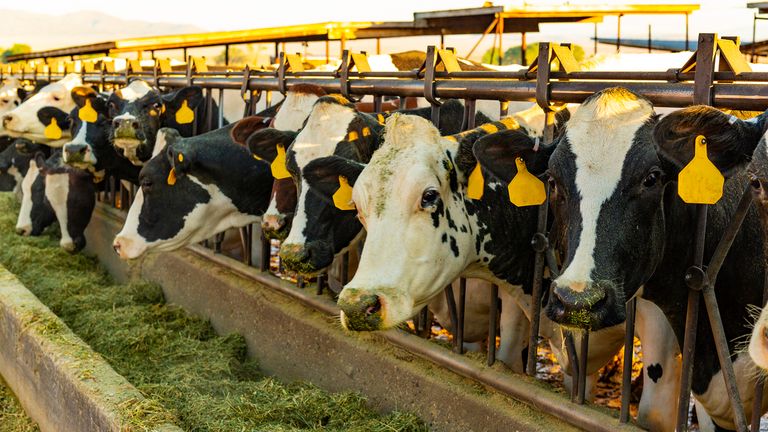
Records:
x=716, y=75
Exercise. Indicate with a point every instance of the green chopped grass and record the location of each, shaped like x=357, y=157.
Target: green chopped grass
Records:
x=189, y=374
x=12, y=417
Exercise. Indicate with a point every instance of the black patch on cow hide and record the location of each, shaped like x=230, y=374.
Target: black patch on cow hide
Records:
x=655, y=372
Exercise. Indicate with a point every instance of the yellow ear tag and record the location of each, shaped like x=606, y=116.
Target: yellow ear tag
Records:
x=52, y=131
x=87, y=113
x=525, y=189
x=172, y=177
x=185, y=115
x=342, y=198
x=181, y=157
x=256, y=157
x=700, y=182
x=279, y=171
x=476, y=183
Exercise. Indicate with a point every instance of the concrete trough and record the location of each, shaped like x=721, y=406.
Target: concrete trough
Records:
x=302, y=340
x=61, y=383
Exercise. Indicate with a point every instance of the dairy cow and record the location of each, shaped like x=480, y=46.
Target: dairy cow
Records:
x=625, y=231
x=24, y=121
x=135, y=123
x=91, y=148
x=192, y=189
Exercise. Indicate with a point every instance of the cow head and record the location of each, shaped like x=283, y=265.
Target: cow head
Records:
x=89, y=138
x=135, y=125
x=25, y=120
x=192, y=189
x=320, y=231
x=421, y=229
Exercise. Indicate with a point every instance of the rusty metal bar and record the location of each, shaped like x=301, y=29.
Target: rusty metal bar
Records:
x=452, y=312
x=629, y=355
x=583, y=355
x=573, y=361
x=493, y=321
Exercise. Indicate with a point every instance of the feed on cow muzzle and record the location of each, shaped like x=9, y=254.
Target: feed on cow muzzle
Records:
x=361, y=311
x=127, y=139
x=592, y=307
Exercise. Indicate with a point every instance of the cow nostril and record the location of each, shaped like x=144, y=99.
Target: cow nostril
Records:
x=116, y=247
x=82, y=150
x=135, y=125
x=373, y=307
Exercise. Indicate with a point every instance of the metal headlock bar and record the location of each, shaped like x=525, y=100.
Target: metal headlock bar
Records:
x=733, y=85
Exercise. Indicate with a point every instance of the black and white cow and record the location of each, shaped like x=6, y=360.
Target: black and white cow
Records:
x=191, y=190
x=54, y=192
x=24, y=121
x=91, y=148
x=135, y=123
x=13, y=168
x=625, y=231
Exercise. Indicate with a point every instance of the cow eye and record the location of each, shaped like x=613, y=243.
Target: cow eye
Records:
x=429, y=198
x=651, y=179
x=146, y=186
x=56, y=98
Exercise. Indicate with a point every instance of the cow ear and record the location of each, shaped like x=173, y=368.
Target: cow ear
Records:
x=247, y=126
x=263, y=143
x=21, y=93
x=81, y=94
x=322, y=175
x=40, y=161
x=497, y=153
x=192, y=94
x=730, y=141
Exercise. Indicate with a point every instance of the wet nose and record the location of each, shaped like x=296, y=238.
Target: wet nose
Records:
x=8, y=120
x=292, y=254
x=273, y=222
x=363, y=312
x=75, y=151
x=117, y=246
x=24, y=230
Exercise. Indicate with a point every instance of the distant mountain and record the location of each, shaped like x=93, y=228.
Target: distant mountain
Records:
x=43, y=31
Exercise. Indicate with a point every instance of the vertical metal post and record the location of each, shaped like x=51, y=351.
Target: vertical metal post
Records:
x=327, y=51
x=523, y=49
x=687, y=38
x=754, y=36
x=343, y=42
x=378, y=45
x=451, y=302
x=226, y=54
x=583, y=355
x=618, y=33
x=277, y=51
x=573, y=360
x=650, y=43
x=184, y=54
x=629, y=354
x=442, y=41
x=594, y=50
x=266, y=251
x=500, y=28
x=493, y=320
x=460, y=316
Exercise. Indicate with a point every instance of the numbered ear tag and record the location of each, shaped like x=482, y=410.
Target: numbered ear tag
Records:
x=700, y=182
x=52, y=131
x=172, y=177
x=279, y=171
x=185, y=115
x=87, y=113
x=476, y=183
x=342, y=198
x=525, y=189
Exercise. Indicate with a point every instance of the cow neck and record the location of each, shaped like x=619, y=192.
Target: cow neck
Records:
x=738, y=284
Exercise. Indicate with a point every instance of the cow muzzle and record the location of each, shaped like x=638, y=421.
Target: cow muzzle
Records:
x=361, y=310
x=585, y=305
x=127, y=248
x=78, y=154
x=275, y=226
x=307, y=259
x=10, y=122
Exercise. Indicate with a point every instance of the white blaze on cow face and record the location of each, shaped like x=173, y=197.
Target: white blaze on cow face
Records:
x=24, y=221
x=134, y=90
x=294, y=110
x=410, y=254
x=600, y=134
x=23, y=121
x=203, y=222
x=326, y=127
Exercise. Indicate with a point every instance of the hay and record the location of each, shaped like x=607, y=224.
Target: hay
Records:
x=190, y=375
x=12, y=417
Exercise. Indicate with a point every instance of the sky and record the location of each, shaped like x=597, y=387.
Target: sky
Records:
x=727, y=17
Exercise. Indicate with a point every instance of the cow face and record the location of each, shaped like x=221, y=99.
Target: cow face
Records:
x=320, y=231
x=192, y=189
x=88, y=138
x=135, y=125
x=11, y=95
x=606, y=192
x=276, y=222
x=25, y=121
x=13, y=167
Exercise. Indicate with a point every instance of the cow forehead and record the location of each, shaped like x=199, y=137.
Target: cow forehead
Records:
x=412, y=157
x=326, y=127
x=294, y=110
